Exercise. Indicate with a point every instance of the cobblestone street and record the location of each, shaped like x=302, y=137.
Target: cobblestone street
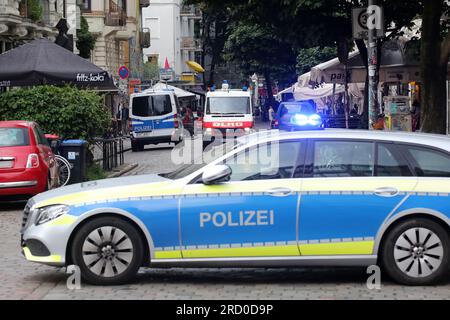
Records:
x=20, y=279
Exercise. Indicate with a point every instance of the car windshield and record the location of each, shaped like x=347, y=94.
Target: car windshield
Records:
x=153, y=105
x=228, y=105
x=207, y=157
x=299, y=108
x=14, y=137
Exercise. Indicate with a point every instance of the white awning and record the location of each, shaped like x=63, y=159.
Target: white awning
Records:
x=180, y=93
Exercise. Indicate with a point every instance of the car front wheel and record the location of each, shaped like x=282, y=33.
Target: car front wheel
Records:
x=108, y=251
x=416, y=252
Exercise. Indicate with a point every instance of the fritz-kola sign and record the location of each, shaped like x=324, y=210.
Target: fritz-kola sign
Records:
x=83, y=77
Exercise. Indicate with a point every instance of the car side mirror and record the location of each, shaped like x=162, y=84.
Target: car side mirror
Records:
x=216, y=174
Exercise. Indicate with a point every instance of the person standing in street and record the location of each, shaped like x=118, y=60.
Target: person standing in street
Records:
x=415, y=115
x=271, y=116
x=125, y=115
x=119, y=118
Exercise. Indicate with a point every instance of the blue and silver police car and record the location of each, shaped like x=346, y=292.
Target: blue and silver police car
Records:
x=275, y=199
x=297, y=115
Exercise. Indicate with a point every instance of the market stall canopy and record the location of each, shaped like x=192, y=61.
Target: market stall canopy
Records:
x=304, y=80
x=42, y=62
x=396, y=66
x=180, y=93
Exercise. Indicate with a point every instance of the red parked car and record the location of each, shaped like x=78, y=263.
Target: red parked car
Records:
x=27, y=163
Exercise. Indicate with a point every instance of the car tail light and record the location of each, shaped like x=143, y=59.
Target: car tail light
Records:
x=33, y=161
x=175, y=119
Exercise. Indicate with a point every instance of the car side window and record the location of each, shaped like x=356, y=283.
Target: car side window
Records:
x=336, y=158
x=428, y=162
x=390, y=163
x=267, y=161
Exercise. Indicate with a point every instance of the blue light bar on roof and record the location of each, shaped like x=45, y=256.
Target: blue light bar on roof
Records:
x=307, y=120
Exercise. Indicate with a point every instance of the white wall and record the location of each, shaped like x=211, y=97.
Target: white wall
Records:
x=167, y=29
x=162, y=17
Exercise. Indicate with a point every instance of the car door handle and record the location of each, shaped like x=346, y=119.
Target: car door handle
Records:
x=279, y=192
x=386, y=192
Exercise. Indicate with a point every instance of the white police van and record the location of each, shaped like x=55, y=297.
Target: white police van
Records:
x=154, y=118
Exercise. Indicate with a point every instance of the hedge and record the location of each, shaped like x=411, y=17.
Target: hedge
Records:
x=67, y=111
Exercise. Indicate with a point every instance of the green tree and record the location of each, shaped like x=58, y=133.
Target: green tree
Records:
x=151, y=71
x=34, y=10
x=311, y=23
x=256, y=49
x=85, y=39
x=67, y=111
x=215, y=28
x=435, y=52
x=310, y=57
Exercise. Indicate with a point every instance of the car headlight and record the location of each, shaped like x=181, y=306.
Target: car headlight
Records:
x=49, y=213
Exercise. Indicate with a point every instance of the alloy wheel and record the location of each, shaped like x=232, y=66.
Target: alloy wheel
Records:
x=418, y=252
x=107, y=251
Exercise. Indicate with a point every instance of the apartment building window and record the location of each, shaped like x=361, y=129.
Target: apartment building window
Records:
x=153, y=58
x=86, y=6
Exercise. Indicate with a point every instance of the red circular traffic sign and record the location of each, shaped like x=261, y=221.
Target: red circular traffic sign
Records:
x=124, y=73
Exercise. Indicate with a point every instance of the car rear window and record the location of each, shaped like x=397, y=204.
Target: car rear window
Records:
x=148, y=106
x=428, y=162
x=298, y=108
x=14, y=137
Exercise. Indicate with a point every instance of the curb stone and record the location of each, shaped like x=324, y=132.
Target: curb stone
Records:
x=121, y=170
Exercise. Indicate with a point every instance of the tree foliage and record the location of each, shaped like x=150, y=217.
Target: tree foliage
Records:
x=310, y=57
x=256, y=49
x=67, y=111
x=34, y=10
x=85, y=39
x=303, y=24
x=150, y=71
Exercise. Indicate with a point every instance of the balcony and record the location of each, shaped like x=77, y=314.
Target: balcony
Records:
x=116, y=16
x=144, y=3
x=190, y=12
x=144, y=38
x=190, y=44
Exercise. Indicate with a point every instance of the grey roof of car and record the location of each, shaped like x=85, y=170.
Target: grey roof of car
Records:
x=434, y=140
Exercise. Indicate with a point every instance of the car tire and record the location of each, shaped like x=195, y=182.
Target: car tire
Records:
x=107, y=257
x=416, y=252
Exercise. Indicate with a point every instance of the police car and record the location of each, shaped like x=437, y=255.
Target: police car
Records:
x=275, y=199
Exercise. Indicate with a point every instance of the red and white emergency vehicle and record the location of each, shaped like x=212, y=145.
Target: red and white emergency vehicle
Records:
x=227, y=111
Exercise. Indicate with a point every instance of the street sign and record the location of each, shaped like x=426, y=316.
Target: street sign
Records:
x=134, y=82
x=124, y=73
x=166, y=74
x=360, y=18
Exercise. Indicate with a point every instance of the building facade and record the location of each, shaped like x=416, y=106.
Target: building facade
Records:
x=175, y=36
x=21, y=22
x=120, y=37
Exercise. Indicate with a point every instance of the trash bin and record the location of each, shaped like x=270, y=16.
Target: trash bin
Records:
x=75, y=152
